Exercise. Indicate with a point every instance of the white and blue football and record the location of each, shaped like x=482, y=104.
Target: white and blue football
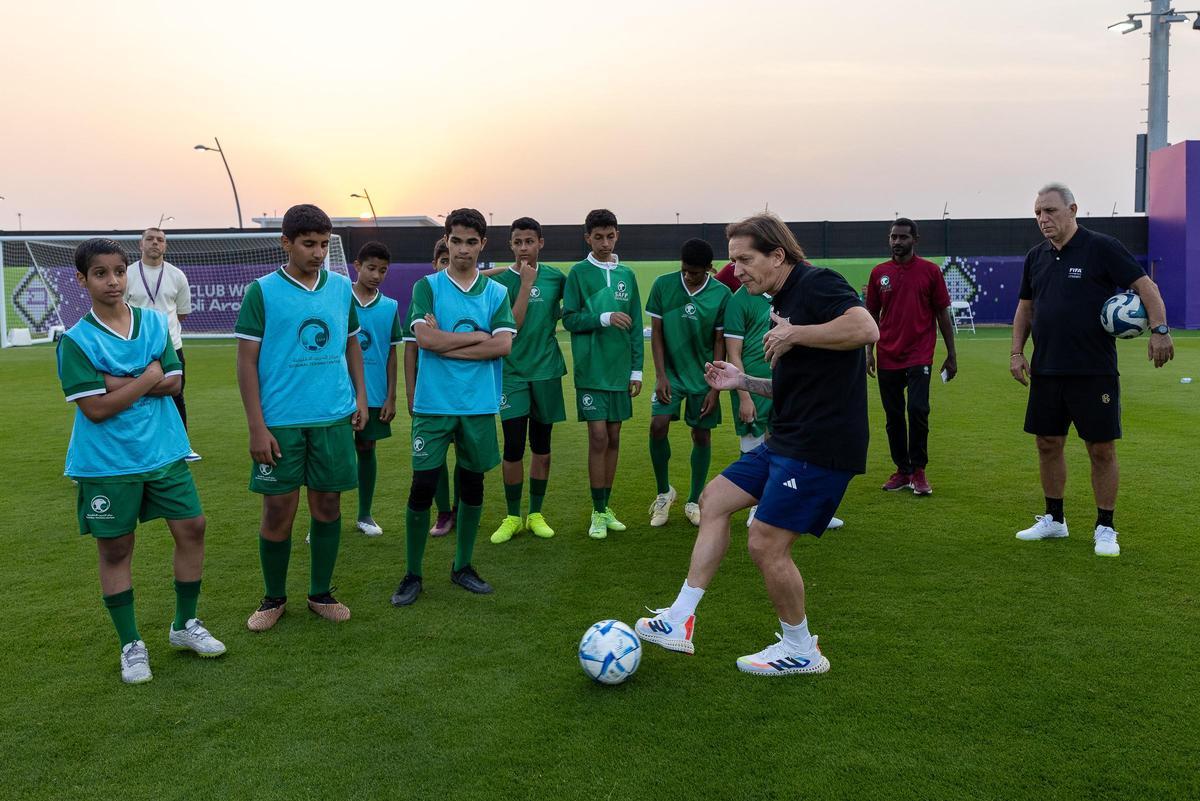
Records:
x=610, y=652
x=1124, y=316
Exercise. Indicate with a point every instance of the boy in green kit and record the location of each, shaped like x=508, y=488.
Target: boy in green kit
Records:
x=300, y=373
x=603, y=311
x=447, y=507
x=687, y=310
x=127, y=450
x=532, y=401
x=378, y=335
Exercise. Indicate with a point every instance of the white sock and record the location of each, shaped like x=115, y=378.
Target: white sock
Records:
x=685, y=605
x=749, y=443
x=797, y=637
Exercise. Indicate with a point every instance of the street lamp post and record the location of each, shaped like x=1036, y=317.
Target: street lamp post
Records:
x=367, y=197
x=1160, y=17
x=163, y=218
x=229, y=172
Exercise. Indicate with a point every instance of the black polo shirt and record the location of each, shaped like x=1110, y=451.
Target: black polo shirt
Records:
x=1068, y=287
x=819, y=413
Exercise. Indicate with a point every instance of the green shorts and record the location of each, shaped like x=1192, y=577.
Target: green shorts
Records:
x=611, y=406
x=321, y=458
x=111, y=506
x=692, y=403
x=375, y=428
x=762, y=416
x=539, y=400
x=474, y=436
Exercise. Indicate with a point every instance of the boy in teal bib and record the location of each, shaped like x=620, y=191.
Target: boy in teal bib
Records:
x=378, y=334
x=127, y=450
x=300, y=372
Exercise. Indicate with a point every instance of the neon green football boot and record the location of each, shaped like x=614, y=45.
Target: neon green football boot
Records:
x=509, y=526
x=538, y=525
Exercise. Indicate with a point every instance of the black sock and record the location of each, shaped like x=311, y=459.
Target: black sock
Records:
x=1054, y=508
x=1104, y=517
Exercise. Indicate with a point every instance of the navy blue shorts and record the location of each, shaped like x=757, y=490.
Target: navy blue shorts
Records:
x=792, y=494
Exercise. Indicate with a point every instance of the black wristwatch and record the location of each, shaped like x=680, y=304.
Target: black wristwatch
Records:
x=1160, y=329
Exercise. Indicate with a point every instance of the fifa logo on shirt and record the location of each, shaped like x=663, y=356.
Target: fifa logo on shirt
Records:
x=418, y=444
x=100, y=504
x=622, y=292
x=364, y=340
x=587, y=401
x=690, y=310
x=313, y=334
x=1075, y=272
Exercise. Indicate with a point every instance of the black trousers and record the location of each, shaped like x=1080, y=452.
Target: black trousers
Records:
x=909, y=442
x=179, y=404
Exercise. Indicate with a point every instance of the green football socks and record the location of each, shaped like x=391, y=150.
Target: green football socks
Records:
x=368, y=469
x=660, y=457
x=467, y=528
x=187, y=595
x=120, y=609
x=442, y=496
x=598, y=500
x=274, y=557
x=537, y=494
x=324, y=546
x=512, y=498
x=416, y=535
x=701, y=459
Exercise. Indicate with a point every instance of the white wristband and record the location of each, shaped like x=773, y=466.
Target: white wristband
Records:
x=636, y=375
x=606, y=319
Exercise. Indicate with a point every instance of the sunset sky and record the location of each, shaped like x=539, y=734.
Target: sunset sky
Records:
x=709, y=109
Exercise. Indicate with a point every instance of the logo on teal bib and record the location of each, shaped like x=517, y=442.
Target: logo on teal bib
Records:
x=364, y=339
x=313, y=334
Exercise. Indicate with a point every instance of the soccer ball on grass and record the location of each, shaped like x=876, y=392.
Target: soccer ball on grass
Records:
x=610, y=652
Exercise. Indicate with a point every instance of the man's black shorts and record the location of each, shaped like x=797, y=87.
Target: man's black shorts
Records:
x=1091, y=402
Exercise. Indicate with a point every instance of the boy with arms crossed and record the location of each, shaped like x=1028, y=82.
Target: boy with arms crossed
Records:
x=300, y=373
x=603, y=311
x=127, y=450
x=464, y=328
x=378, y=335
x=532, y=400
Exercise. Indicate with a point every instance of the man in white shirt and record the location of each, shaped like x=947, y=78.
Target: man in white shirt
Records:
x=153, y=283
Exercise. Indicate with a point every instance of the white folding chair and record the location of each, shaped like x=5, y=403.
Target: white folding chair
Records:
x=962, y=315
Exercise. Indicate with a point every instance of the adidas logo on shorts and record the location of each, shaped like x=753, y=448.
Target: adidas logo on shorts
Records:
x=790, y=483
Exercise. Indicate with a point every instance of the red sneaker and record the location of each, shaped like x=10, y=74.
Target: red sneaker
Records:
x=898, y=481
x=920, y=484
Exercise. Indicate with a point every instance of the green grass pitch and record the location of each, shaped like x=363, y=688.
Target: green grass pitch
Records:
x=965, y=664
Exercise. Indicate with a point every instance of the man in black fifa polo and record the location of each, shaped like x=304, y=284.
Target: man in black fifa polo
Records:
x=818, y=441
x=1074, y=378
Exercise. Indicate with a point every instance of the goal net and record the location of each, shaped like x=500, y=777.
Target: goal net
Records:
x=40, y=291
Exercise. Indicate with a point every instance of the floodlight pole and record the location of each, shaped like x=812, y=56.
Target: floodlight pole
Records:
x=367, y=197
x=1160, y=48
x=228, y=172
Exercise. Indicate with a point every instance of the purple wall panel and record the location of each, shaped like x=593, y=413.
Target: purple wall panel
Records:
x=1174, y=230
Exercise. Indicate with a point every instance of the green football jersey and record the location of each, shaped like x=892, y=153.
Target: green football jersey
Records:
x=748, y=318
x=605, y=356
x=690, y=321
x=535, y=353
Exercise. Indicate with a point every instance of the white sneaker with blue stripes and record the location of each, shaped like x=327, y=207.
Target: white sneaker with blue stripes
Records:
x=781, y=659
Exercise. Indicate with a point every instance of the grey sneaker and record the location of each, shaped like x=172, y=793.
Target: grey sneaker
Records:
x=135, y=663
x=193, y=636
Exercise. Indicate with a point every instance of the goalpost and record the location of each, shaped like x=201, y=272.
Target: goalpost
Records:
x=41, y=296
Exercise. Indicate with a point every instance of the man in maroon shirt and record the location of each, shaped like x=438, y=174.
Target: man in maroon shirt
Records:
x=725, y=276
x=908, y=297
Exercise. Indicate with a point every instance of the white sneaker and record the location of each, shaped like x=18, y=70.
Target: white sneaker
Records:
x=192, y=457
x=750, y=517
x=1106, y=541
x=660, y=631
x=1044, y=529
x=661, y=506
x=779, y=660
x=835, y=522
x=692, y=512
x=135, y=663
x=196, y=638
x=369, y=527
